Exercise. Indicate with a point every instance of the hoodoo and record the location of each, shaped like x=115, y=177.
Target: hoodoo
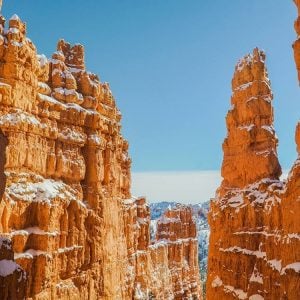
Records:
x=69, y=228
x=254, y=242
x=250, y=152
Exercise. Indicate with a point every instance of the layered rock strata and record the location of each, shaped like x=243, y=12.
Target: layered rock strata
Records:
x=255, y=241
x=166, y=268
x=69, y=227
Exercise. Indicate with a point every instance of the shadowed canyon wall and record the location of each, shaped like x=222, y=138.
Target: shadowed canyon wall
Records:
x=69, y=228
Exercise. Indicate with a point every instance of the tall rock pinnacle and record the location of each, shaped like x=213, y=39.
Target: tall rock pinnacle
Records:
x=254, y=222
x=296, y=47
x=296, y=44
x=250, y=146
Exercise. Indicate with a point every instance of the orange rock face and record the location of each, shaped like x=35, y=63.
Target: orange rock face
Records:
x=254, y=241
x=166, y=268
x=177, y=229
x=69, y=227
x=251, y=136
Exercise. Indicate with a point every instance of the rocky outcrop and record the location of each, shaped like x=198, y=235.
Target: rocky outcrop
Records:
x=166, y=268
x=254, y=241
x=251, y=136
x=177, y=229
x=68, y=224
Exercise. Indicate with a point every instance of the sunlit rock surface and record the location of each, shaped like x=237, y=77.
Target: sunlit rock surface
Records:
x=254, y=218
x=68, y=224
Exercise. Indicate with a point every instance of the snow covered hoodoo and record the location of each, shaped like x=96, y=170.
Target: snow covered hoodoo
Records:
x=254, y=242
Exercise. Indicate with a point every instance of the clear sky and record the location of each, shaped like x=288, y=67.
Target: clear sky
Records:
x=170, y=64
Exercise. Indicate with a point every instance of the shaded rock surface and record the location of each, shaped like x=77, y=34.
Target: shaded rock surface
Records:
x=70, y=226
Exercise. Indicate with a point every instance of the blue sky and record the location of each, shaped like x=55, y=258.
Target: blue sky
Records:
x=170, y=65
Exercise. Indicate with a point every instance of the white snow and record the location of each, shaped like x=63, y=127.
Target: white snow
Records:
x=243, y=86
x=70, y=92
x=264, y=153
x=43, y=85
x=15, y=17
x=256, y=297
x=256, y=276
x=246, y=127
x=165, y=220
x=236, y=249
x=275, y=264
x=8, y=267
x=49, y=99
x=44, y=190
x=13, y=30
x=17, y=44
x=5, y=84
x=66, y=285
x=267, y=98
x=293, y=266
x=139, y=294
x=67, y=249
x=142, y=221
x=247, y=60
x=129, y=201
x=30, y=253
x=34, y=230
x=68, y=134
x=217, y=282
x=236, y=201
x=19, y=117
x=43, y=61
x=75, y=70
x=95, y=138
x=240, y=294
x=269, y=128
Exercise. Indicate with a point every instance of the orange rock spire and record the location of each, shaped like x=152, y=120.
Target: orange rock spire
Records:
x=254, y=240
x=250, y=146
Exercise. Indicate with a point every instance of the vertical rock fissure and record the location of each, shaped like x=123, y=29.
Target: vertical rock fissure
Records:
x=3, y=145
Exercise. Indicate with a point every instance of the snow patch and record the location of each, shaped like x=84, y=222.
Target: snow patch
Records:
x=217, y=282
x=256, y=297
x=15, y=17
x=256, y=276
x=275, y=264
x=8, y=267
x=293, y=266
x=236, y=249
x=19, y=117
x=246, y=127
x=42, y=59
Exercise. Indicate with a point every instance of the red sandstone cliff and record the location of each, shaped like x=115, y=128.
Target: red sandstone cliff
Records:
x=69, y=227
x=255, y=241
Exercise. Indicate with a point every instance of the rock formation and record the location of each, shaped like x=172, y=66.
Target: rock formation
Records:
x=168, y=267
x=68, y=224
x=296, y=44
x=255, y=241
